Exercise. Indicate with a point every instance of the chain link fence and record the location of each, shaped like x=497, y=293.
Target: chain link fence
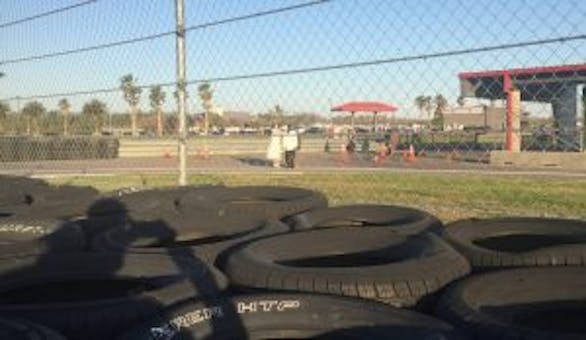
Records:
x=408, y=87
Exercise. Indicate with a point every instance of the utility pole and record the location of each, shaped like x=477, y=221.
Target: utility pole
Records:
x=180, y=60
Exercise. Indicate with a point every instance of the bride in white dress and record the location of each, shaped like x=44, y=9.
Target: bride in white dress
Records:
x=275, y=150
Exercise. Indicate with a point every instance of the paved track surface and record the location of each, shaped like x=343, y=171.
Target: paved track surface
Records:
x=256, y=163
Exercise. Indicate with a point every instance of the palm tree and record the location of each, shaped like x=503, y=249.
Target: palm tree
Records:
x=461, y=101
x=157, y=97
x=187, y=110
x=441, y=103
x=4, y=111
x=65, y=108
x=32, y=111
x=424, y=103
x=420, y=103
x=95, y=110
x=206, y=93
x=132, y=97
x=277, y=115
x=176, y=95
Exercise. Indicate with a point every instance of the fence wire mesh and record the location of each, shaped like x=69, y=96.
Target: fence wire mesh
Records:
x=384, y=95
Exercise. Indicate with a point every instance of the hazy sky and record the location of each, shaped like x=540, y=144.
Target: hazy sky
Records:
x=341, y=31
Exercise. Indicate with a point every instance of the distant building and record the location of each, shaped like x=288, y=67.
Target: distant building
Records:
x=477, y=116
x=237, y=117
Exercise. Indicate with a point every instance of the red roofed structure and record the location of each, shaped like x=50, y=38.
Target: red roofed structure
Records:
x=556, y=85
x=364, y=106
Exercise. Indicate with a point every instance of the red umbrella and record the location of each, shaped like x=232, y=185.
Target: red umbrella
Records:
x=374, y=107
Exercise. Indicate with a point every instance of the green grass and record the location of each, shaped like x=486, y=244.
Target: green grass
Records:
x=449, y=196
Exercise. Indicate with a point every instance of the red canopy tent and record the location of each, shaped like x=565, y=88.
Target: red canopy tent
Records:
x=374, y=107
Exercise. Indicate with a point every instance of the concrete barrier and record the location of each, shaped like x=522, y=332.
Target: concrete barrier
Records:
x=229, y=145
x=562, y=160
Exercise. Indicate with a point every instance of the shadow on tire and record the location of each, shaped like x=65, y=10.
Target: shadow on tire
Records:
x=99, y=295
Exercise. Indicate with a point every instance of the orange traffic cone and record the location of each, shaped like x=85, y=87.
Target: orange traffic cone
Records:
x=378, y=158
x=204, y=153
x=342, y=154
x=410, y=156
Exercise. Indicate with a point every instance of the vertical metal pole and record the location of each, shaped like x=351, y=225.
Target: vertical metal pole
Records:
x=180, y=59
x=582, y=113
x=509, y=112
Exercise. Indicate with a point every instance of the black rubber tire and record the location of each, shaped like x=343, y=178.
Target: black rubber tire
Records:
x=114, y=210
x=177, y=230
x=371, y=263
x=14, y=190
x=51, y=202
x=34, y=236
x=24, y=330
x=158, y=239
x=217, y=253
x=290, y=316
x=519, y=242
x=96, y=295
x=401, y=219
x=143, y=204
x=19, y=180
x=523, y=303
x=95, y=225
x=269, y=202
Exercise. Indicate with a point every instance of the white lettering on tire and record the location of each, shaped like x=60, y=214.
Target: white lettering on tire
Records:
x=267, y=306
x=168, y=330
x=25, y=229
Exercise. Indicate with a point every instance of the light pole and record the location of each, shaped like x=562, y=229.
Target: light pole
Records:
x=180, y=74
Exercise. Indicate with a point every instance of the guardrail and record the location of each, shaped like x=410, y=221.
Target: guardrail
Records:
x=220, y=145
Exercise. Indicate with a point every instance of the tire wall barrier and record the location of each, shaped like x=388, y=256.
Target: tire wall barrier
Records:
x=273, y=262
x=19, y=149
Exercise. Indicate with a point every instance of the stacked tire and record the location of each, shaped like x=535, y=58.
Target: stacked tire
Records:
x=217, y=262
x=16, y=149
x=528, y=282
x=54, y=286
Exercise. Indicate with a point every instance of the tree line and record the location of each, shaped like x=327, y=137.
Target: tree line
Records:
x=435, y=105
x=35, y=119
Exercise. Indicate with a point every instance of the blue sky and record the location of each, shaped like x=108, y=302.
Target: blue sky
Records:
x=340, y=31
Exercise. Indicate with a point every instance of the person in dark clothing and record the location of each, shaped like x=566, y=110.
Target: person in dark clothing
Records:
x=291, y=145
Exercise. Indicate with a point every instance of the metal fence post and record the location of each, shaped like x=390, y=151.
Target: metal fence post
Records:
x=180, y=59
x=582, y=117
